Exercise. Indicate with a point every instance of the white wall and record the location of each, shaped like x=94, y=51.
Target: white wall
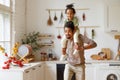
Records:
x=37, y=17
x=19, y=20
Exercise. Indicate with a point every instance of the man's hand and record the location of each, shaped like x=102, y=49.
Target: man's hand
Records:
x=63, y=57
x=77, y=47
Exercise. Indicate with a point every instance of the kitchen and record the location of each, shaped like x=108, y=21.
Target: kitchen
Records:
x=32, y=15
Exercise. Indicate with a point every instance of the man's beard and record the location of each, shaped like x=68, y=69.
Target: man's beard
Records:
x=68, y=37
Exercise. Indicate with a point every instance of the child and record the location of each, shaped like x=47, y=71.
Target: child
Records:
x=70, y=12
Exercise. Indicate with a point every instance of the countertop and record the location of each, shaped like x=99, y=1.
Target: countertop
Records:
x=102, y=61
x=56, y=62
x=32, y=64
x=25, y=67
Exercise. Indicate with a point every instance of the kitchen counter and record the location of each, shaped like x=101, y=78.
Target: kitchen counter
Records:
x=25, y=67
x=29, y=65
x=86, y=61
x=56, y=62
x=30, y=71
x=102, y=61
x=32, y=64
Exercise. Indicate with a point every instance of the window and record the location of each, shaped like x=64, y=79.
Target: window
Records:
x=5, y=2
x=5, y=25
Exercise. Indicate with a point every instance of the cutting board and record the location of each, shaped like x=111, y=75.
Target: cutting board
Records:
x=107, y=51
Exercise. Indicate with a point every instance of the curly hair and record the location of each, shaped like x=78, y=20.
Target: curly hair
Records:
x=70, y=6
x=70, y=25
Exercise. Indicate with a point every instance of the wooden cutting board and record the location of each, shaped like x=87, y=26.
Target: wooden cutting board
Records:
x=107, y=52
x=117, y=36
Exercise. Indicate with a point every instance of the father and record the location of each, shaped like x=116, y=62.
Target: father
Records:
x=75, y=62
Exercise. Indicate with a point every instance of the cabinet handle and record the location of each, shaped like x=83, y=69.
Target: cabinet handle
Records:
x=27, y=72
x=33, y=68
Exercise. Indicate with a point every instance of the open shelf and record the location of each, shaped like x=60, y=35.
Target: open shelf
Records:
x=64, y=9
x=46, y=40
x=46, y=36
x=84, y=27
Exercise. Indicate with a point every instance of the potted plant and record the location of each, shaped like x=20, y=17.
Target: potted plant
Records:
x=32, y=39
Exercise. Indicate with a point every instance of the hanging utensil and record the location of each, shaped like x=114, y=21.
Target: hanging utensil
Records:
x=61, y=17
x=85, y=33
x=49, y=22
x=55, y=17
x=59, y=36
x=84, y=17
x=93, y=33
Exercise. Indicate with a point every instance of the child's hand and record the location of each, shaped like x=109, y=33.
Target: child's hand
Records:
x=76, y=46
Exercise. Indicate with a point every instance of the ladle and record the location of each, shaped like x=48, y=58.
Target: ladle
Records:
x=49, y=22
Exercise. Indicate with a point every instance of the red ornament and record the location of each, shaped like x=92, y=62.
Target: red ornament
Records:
x=59, y=36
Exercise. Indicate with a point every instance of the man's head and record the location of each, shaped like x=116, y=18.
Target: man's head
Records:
x=69, y=29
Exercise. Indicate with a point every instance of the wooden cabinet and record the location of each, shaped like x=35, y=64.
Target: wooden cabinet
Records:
x=50, y=71
x=89, y=72
x=11, y=75
x=112, y=16
x=46, y=70
x=26, y=73
x=16, y=74
x=34, y=73
x=40, y=72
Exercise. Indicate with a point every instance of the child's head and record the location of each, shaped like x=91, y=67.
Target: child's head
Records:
x=70, y=11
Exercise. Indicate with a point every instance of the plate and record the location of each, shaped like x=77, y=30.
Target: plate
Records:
x=24, y=50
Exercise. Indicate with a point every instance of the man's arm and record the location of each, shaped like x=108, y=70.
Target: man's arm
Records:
x=89, y=44
x=63, y=51
x=64, y=55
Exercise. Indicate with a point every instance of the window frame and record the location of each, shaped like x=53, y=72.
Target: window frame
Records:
x=8, y=10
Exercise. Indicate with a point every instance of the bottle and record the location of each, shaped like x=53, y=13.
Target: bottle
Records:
x=41, y=56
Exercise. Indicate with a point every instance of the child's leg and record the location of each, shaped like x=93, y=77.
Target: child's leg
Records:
x=64, y=42
x=76, y=41
x=63, y=45
x=76, y=34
